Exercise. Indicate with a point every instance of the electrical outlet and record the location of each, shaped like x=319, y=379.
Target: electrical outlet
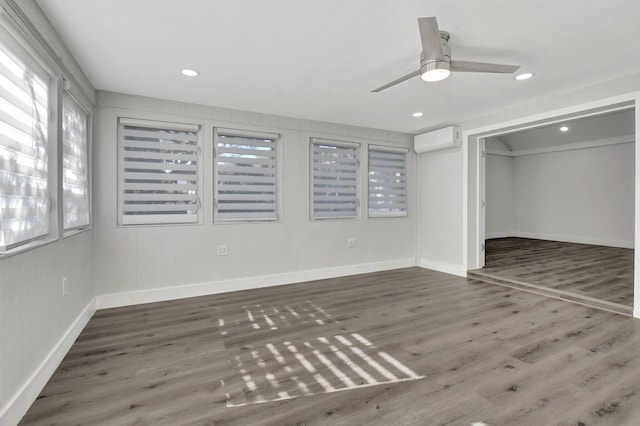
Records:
x=65, y=286
x=222, y=250
x=351, y=242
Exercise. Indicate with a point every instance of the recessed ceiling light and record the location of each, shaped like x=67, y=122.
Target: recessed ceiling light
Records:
x=190, y=73
x=417, y=114
x=524, y=76
x=564, y=128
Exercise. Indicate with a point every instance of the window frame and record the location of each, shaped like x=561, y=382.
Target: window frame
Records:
x=161, y=220
x=387, y=149
x=79, y=101
x=356, y=146
x=18, y=50
x=249, y=134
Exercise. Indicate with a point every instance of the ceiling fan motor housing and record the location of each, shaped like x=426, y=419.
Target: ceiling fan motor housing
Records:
x=444, y=62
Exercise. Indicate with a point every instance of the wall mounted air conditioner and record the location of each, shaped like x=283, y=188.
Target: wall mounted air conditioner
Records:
x=449, y=137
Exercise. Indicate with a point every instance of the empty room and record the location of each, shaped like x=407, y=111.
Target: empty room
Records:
x=559, y=209
x=287, y=212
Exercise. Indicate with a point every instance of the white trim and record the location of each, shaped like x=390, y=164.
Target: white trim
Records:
x=499, y=234
x=464, y=147
x=587, y=109
x=114, y=300
x=562, y=238
x=333, y=142
x=636, y=254
x=240, y=133
x=446, y=267
x=384, y=148
x=138, y=122
x=17, y=405
x=600, y=106
x=566, y=147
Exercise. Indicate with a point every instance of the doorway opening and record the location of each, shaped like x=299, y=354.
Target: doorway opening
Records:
x=556, y=207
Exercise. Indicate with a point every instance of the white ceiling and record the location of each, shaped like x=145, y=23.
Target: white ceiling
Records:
x=320, y=59
x=604, y=126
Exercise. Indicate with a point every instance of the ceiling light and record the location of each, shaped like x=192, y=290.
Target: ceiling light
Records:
x=190, y=73
x=435, y=71
x=564, y=128
x=524, y=76
x=417, y=114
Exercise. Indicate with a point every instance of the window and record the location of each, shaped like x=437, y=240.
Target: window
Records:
x=75, y=165
x=25, y=185
x=387, y=181
x=158, y=172
x=246, y=179
x=334, y=175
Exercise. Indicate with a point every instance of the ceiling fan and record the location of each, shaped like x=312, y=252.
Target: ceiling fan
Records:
x=435, y=59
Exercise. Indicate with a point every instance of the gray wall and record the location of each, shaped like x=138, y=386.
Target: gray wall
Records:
x=499, y=196
x=168, y=258
x=440, y=202
x=581, y=195
x=37, y=324
x=34, y=316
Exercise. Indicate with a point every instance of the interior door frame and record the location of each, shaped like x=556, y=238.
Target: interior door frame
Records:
x=482, y=196
x=474, y=165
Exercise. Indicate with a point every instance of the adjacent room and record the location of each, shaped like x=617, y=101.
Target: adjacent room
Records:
x=559, y=209
x=284, y=212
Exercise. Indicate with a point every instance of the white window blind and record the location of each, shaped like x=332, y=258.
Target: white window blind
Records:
x=24, y=172
x=246, y=175
x=387, y=181
x=334, y=174
x=75, y=165
x=158, y=172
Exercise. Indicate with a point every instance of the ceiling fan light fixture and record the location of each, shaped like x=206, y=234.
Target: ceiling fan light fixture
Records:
x=435, y=71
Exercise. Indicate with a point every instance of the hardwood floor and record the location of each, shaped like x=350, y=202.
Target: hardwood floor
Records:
x=583, y=272
x=403, y=347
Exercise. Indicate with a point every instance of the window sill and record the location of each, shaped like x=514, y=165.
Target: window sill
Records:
x=72, y=232
x=245, y=221
x=390, y=216
x=26, y=247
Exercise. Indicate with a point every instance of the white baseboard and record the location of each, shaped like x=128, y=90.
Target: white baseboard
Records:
x=114, y=300
x=17, y=405
x=499, y=234
x=446, y=267
x=561, y=237
x=636, y=313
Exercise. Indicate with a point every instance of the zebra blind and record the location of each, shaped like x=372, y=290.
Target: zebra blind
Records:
x=334, y=175
x=387, y=181
x=24, y=171
x=75, y=165
x=246, y=179
x=158, y=172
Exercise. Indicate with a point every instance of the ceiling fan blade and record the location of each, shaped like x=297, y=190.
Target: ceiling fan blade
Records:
x=399, y=80
x=467, y=66
x=430, y=37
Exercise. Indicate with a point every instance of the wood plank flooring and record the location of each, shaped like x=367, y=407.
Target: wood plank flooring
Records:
x=403, y=347
x=592, y=273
